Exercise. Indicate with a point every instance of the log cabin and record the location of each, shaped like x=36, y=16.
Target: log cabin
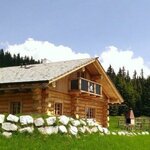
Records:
x=73, y=88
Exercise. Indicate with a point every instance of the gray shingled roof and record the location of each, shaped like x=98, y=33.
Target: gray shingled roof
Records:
x=40, y=72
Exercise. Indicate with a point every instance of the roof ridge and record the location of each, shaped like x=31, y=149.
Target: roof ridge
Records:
x=37, y=72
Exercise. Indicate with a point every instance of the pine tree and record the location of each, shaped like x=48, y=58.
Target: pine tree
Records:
x=146, y=98
x=111, y=73
x=135, y=91
x=6, y=59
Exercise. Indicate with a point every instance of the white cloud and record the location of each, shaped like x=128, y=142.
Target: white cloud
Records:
x=44, y=49
x=111, y=55
x=119, y=58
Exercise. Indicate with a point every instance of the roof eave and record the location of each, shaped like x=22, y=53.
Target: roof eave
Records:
x=120, y=98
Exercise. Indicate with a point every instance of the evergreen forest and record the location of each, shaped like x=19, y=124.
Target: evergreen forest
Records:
x=135, y=92
x=6, y=59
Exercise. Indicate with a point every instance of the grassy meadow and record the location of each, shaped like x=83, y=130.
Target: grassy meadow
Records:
x=96, y=141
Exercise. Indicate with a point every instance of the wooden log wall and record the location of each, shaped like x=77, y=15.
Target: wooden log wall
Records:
x=10, y=96
x=37, y=100
x=55, y=96
x=100, y=106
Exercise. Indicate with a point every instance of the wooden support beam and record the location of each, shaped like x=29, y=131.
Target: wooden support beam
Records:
x=20, y=87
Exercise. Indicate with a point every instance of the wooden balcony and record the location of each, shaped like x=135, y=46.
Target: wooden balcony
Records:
x=83, y=85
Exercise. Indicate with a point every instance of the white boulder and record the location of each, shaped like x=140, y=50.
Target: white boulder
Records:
x=2, y=118
x=113, y=133
x=129, y=134
x=106, y=131
x=139, y=133
x=26, y=129
x=55, y=129
x=134, y=133
x=71, y=119
x=12, y=118
x=7, y=134
x=51, y=120
x=62, y=129
x=64, y=120
x=75, y=122
x=42, y=130
x=82, y=122
x=100, y=128
x=119, y=133
x=88, y=129
x=82, y=129
x=7, y=126
x=73, y=130
x=39, y=122
x=48, y=130
x=94, y=129
x=90, y=122
x=51, y=130
x=143, y=133
x=123, y=133
x=146, y=132
x=26, y=119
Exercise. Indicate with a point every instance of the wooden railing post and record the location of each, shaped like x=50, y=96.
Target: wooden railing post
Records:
x=79, y=82
x=88, y=86
x=95, y=88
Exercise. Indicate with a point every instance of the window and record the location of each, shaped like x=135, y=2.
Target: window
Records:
x=98, y=89
x=58, y=108
x=90, y=112
x=15, y=107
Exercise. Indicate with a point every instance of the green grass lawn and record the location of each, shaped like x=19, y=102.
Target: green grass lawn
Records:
x=87, y=142
x=113, y=123
x=37, y=141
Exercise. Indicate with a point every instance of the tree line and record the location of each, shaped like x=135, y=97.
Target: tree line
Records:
x=135, y=92
x=6, y=59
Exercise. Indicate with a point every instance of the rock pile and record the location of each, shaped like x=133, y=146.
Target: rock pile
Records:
x=51, y=125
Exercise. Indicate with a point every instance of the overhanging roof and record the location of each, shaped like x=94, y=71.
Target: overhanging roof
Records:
x=53, y=71
x=40, y=72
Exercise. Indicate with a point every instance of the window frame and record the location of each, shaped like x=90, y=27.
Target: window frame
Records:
x=90, y=112
x=11, y=107
x=61, y=104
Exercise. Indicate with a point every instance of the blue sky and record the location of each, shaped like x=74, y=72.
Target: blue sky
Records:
x=85, y=26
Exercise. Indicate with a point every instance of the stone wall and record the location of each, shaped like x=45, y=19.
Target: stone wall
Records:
x=9, y=124
x=50, y=125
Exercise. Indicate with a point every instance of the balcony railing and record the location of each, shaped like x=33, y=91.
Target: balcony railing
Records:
x=86, y=86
